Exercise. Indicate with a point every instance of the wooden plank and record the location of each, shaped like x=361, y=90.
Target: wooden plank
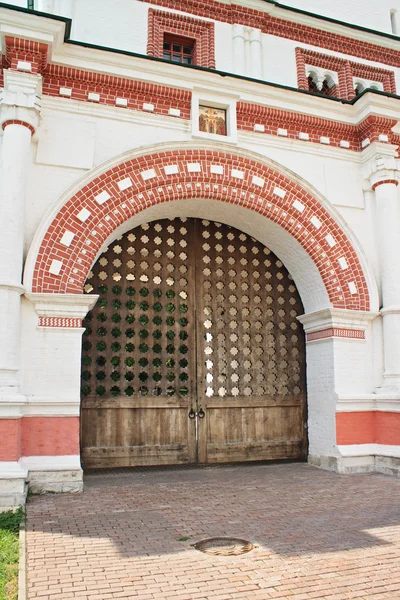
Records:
x=247, y=452
x=95, y=458
x=125, y=403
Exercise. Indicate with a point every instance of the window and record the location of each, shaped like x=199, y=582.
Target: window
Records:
x=181, y=39
x=179, y=50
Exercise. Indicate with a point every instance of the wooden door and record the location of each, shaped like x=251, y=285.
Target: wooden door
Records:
x=138, y=364
x=251, y=358
x=193, y=351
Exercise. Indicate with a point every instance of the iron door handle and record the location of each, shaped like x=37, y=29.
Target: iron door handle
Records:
x=192, y=414
x=201, y=414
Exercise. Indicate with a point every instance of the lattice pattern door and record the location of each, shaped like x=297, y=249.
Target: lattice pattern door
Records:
x=250, y=352
x=138, y=374
x=194, y=318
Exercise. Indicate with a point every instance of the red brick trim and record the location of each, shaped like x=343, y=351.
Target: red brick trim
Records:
x=233, y=13
x=353, y=334
x=26, y=50
x=368, y=427
x=345, y=69
x=18, y=122
x=161, y=22
x=248, y=115
x=109, y=88
x=59, y=322
x=261, y=189
x=384, y=181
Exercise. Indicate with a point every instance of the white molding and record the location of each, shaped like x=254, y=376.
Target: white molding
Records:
x=298, y=145
x=42, y=406
x=369, y=450
x=12, y=470
x=113, y=113
x=336, y=318
x=51, y=463
x=368, y=402
x=62, y=305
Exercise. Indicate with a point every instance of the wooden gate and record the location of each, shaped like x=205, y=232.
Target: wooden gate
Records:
x=193, y=351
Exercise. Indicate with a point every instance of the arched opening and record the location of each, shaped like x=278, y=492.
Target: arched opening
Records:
x=193, y=352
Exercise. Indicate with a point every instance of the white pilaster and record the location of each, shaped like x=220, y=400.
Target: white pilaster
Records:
x=339, y=358
x=238, y=49
x=19, y=108
x=382, y=170
x=256, y=67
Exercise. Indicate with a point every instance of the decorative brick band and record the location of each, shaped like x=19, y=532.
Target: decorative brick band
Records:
x=59, y=322
x=345, y=69
x=352, y=334
x=161, y=22
x=384, y=181
x=18, y=122
x=123, y=191
x=272, y=120
x=81, y=83
x=77, y=84
x=249, y=17
x=18, y=49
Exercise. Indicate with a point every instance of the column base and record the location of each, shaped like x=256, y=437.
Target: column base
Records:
x=54, y=474
x=55, y=482
x=361, y=463
x=13, y=486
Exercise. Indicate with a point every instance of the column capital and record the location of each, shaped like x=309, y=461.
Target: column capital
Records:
x=380, y=165
x=20, y=100
x=62, y=310
x=336, y=323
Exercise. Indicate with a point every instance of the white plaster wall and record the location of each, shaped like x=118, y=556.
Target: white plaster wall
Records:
x=50, y=363
x=374, y=14
x=121, y=24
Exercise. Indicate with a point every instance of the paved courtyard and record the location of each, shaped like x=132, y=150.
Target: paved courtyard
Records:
x=130, y=535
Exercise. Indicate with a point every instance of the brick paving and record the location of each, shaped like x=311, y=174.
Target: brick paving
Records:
x=318, y=535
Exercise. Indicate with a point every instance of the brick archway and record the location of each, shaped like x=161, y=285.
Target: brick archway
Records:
x=86, y=220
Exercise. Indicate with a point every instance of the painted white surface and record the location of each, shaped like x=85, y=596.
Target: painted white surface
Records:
x=75, y=138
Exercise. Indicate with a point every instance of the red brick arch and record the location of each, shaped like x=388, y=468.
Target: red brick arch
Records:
x=83, y=224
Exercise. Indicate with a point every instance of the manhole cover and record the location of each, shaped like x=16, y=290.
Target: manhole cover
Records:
x=224, y=546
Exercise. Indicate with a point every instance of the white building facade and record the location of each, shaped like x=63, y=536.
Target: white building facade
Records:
x=264, y=118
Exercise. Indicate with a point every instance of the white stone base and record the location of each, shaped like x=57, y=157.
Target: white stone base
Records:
x=41, y=482
x=388, y=465
x=53, y=474
x=39, y=474
x=13, y=487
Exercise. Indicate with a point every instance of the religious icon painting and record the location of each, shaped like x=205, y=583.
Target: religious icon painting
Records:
x=212, y=120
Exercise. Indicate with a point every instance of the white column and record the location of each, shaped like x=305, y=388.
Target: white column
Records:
x=256, y=69
x=238, y=49
x=381, y=172
x=18, y=118
x=387, y=199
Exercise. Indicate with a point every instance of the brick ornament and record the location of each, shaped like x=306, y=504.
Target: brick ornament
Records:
x=63, y=322
x=113, y=197
x=249, y=17
x=385, y=181
x=17, y=49
x=351, y=334
x=346, y=70
x=18, y=122
x=161, y=22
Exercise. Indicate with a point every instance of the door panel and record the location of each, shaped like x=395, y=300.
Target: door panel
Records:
x=138, y=374
x=251, y=382
x=198, y=318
